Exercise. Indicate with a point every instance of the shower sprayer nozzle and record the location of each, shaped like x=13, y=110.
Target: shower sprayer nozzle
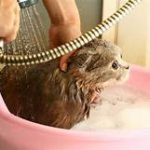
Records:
x=27, y=3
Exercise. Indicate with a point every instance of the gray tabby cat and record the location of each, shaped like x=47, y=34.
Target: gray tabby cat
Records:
x=46, y=95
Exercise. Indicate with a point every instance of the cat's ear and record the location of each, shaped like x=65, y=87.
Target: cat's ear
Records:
x=79, y=60
x=96, y=46
x=94, y=63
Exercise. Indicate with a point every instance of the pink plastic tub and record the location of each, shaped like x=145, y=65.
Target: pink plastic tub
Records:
x=19, y=134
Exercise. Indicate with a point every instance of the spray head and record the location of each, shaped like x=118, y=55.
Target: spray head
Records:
x=26, y=3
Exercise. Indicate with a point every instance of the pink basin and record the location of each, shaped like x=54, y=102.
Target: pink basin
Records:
x=19, y=134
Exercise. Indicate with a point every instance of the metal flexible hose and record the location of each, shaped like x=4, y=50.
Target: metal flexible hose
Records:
x=30, y=59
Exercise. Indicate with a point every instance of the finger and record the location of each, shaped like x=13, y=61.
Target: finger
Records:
x=8, y=29
x=17, y=21
x=64, y=60
x=13, y=34
x=8, y=23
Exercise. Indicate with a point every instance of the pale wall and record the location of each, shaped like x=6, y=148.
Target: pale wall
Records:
x=132, y=33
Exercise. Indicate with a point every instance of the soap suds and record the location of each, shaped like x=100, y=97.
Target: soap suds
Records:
x=121, y=107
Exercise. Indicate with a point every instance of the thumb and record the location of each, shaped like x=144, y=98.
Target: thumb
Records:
x=64, y=60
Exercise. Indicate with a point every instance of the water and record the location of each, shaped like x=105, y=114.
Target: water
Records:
x=32, y=36
x=121, y=107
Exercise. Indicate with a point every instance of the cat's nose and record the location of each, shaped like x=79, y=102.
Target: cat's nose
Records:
x=127, y=67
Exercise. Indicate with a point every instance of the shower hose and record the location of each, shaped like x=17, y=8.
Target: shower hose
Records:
x=41, y=57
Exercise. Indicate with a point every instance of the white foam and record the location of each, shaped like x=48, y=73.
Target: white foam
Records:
x=122, y=107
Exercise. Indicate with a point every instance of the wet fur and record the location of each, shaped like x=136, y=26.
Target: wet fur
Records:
x=46, y=95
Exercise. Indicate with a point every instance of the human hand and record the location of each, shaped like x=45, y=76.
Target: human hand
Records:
x=65, y=26
x=60, y=34
x=9, y=19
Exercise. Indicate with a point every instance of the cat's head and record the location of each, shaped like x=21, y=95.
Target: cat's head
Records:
x=100, y=62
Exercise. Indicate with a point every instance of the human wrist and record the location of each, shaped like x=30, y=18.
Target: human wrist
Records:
x=70, y=31
x=60, y=34
x=68, y=21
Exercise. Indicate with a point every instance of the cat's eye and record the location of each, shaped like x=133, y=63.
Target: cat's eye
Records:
x=121, y=55
x=115, y=65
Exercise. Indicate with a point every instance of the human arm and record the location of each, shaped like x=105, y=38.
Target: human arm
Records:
x=65, y=24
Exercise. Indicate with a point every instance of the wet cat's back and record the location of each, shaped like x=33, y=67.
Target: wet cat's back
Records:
x=19, y=85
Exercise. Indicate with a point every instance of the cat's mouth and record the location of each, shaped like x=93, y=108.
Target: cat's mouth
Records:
x=118, y=80
x=123, y=77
